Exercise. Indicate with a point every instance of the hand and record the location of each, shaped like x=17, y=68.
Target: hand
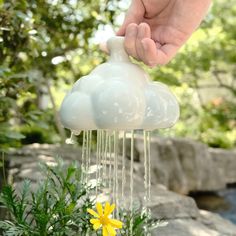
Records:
x=155, y=30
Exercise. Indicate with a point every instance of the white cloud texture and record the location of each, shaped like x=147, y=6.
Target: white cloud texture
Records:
x=118, y=95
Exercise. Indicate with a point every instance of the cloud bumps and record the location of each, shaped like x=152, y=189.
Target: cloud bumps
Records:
x=118, y=95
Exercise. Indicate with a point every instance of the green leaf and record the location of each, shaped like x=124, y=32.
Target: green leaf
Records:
x=14, y=135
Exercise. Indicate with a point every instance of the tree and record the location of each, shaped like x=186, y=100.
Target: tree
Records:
x=39, y=41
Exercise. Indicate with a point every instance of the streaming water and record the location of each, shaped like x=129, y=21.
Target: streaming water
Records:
x=149, y=165
x=83, y=158
x=105, y=159
x=131, y=180
x=97, y=162
x=116, y=172
x=147, y=177
x=99, y=155
x=89, y=152
x=145, y=170
x=123, y=181
x=110, y=163
x=107, y=166
x=102, y=158
x=87, y=156
x=70, y=140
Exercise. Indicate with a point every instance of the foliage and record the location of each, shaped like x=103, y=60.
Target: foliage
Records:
x=46, y=45
x=59, y=207
x=41, y=44
x=54, y=209
x=142, y=222
x=204, y=78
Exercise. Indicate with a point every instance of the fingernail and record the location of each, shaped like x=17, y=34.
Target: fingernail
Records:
x=142, y=30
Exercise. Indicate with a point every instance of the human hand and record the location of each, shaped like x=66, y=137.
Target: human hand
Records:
x=155, y=30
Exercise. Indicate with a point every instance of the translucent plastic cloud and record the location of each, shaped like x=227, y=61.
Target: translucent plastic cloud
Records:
x=118, y=95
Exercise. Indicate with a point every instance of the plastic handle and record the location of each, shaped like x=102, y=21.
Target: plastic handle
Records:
x=117, y=50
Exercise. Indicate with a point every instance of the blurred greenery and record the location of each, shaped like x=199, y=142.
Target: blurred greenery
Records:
x=58, y=207
x=46, y=45
x=204, y=79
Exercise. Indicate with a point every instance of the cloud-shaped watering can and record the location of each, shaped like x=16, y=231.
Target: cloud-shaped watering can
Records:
x=118, y=95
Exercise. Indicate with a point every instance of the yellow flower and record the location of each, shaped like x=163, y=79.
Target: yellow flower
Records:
x=102, y=219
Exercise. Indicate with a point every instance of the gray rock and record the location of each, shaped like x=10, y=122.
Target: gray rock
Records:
x=185, y=227
x=169, y=205
x=225, y=161
x=217, y=223
x=179, y=164
x=198, y=166
x=166, y=167
x=164, y=203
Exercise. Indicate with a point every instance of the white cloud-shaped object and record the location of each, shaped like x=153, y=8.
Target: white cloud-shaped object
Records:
x=118, y=95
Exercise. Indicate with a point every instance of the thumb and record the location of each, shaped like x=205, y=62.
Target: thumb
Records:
x=134, y=15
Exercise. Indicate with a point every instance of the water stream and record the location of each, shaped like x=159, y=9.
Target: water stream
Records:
x=108, y=165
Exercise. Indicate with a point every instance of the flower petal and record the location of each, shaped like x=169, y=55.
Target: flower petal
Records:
x=95, y=221
x=93, y=213
x=99, y=209
x=107, y=208
x=96, y=226
x=116, y=223
x=110, y=210
x=104, y=231
x=111, y=230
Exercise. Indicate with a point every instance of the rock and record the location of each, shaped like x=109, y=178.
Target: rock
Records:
x=164, y=203
x=225, y=161
x=198, y=166
x=24, y=162
x=207, y=224
x=185, y=227
x=176, y=163
x=168, y=205
x=211, y=201
x=166, y=167
x=181, y=165
x=217, y=223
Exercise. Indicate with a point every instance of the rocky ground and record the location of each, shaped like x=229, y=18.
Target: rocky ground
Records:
x=178, y=166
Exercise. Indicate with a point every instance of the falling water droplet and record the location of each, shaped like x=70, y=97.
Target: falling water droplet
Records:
x=70, y=140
